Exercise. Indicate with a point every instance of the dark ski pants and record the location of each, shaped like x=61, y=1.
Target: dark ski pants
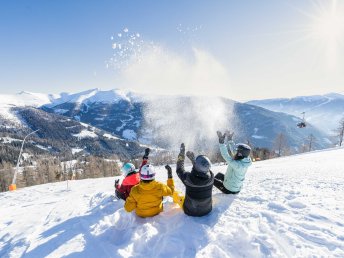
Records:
x=218, y=183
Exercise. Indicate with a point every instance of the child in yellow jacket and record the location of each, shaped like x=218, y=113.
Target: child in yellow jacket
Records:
x=146, y=197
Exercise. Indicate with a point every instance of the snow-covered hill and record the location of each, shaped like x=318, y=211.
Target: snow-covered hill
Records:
x=289, y=207
x=22, y=99
x=96, y=96
x=323, y=111
x=20, y=114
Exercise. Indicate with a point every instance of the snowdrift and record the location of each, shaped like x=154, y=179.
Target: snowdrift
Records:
x=289, y=207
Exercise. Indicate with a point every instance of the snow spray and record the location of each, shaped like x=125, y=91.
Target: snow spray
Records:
x=193, y=120
x=182, y=107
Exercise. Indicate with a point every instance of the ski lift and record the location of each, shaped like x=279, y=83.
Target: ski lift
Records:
x=302, y=124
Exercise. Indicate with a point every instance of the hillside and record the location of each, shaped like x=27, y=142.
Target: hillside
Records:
x=57, y=135
x=289, y=207
x=322, y=111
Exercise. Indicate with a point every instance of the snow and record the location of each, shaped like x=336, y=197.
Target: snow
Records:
x=22, y=99
x=9, y=140
x=258, y=137
x=25, y=98
x=289, y=207
x=85, y=134
x=96, y=95
x=26, y=156
x=60, y=111
x=41, y=147
x=129, y=134
x=76, y=150
x=124, y=123
x=109, y=136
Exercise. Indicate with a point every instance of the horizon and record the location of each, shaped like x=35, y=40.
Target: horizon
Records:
x=241, y=51
x=177, y=94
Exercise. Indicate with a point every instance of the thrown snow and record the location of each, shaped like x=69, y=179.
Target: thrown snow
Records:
x=85, y=134
x=289, y=207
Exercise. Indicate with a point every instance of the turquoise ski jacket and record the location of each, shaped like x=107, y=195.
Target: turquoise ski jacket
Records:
x=236, y=169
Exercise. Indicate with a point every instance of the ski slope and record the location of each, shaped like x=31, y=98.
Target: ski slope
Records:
x=289, y=207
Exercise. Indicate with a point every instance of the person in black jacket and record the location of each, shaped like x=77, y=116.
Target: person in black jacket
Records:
x=198, y=184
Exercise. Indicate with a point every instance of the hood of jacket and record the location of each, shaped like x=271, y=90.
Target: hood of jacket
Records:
x=199, y=179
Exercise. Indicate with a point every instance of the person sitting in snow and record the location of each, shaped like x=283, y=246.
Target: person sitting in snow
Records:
x=131, y=177
x=238, y=163
x=146, y=197
x=198, y=184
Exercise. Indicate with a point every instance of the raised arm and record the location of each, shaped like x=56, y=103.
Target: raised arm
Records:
x=230, y=142
x=168, y=189
x=236, y=164
x=145, y=158
x=180, y=163
x=223, y=147
x=224, y=153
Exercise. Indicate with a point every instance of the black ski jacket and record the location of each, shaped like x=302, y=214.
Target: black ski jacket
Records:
x=198, y=190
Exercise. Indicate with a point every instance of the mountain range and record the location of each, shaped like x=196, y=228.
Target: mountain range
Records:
x=118, y=122
x=322, y=111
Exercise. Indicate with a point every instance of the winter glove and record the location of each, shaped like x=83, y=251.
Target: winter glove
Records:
x=147, y=150
x=229, y=135
x=181, y=155
x=169, y=171
x=191, y=156
x=221, y=137
x=116, y=183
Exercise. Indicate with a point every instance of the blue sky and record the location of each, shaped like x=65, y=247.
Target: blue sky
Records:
x=239, y=49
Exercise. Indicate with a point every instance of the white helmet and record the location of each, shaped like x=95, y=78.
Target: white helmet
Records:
x=147, y=172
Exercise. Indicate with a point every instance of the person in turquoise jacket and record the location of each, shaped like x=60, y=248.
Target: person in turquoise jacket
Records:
x=238, y=163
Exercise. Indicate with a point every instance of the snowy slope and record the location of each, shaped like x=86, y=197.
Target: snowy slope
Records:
x=289, y=207
x=22, y=99
x=25, y=98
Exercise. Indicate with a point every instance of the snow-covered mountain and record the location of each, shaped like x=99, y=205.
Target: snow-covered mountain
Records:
x=155, y=119
x=22, y=99
x=58, y=135
x=95, y=96
x=130, y=116
x=289, y=207
x=322, y=111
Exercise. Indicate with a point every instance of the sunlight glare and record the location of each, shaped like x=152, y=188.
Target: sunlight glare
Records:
x=329, y=25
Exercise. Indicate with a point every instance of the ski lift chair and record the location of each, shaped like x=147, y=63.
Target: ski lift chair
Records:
x=302, y=124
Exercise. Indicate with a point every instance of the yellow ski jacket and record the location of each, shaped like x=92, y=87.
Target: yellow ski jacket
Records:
x=146, y=198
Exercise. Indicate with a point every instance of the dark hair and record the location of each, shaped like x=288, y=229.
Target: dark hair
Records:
x=147, y=181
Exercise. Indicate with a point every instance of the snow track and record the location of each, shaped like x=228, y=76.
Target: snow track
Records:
x=289, y=207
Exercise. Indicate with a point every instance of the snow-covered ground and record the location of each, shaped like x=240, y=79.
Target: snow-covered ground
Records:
x=85, y=134
x=289, y=207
